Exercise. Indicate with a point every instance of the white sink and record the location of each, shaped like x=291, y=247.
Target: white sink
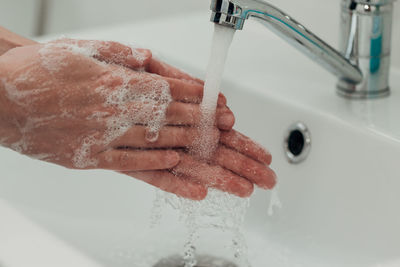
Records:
x=340, y=206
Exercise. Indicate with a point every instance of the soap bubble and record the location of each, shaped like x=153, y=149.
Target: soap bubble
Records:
x=65, y=72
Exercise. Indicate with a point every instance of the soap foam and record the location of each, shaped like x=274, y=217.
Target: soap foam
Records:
x=23, y=145
x=54, y=61
x=82, y=156
x=141, y=99
x=138, y=55
x=150, y=96
x=150, y=93
x=23, y=98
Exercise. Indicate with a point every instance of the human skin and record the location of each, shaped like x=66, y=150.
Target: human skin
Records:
x=55, y=106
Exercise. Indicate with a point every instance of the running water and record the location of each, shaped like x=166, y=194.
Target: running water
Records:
x=274, y=201
x=219, y=210
x=222, y=39
x=205, y=144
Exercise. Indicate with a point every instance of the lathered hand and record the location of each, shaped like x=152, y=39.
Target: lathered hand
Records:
x=93, y=104
x=237, y=165
x=66, y=103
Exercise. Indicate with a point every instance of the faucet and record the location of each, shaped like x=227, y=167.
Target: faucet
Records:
x=362, y=66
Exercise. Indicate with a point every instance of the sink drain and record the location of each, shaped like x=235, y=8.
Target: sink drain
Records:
x=297, y=143
x=202, y=261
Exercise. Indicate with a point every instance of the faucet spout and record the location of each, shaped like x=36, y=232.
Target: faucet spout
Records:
x=362, y=68
x=233, y=13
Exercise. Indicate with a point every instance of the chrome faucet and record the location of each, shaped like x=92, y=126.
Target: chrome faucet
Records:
x=363, y=63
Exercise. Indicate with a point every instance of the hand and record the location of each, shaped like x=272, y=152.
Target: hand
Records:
x=238, y=164
x=80, y=104
x=87, y=114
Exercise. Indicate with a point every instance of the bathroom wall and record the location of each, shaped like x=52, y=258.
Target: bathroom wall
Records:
x=396, y=36
x=19, y=15
x=74, y=14
x=61, y=16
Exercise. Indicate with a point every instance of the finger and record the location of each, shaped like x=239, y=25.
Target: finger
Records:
x=221, y=100
x=113, y=52
x=171, y=183
x=168, y=137
x=163, y=69
x=246, y=167
x=188, y=92
x=213, y=176
x=179, y=113
x=117, y=53
x=237, y=141
x=136, y=160
x=225, y=118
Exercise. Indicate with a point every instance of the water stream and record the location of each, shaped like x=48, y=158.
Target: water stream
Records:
x=221, y=42
x=219, y=210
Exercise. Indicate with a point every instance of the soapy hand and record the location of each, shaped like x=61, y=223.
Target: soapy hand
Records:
x=64, y=102
x=238, y=163
x=92, y=104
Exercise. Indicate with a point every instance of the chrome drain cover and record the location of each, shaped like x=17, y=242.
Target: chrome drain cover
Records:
x=297, y=143
x=202, y=261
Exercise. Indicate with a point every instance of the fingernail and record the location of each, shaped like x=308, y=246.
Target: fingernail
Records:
x=272, y=181
x=268, y=159
x=221, y=100
x=246, y=189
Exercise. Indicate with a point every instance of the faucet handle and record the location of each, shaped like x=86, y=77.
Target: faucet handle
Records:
x=366, y=41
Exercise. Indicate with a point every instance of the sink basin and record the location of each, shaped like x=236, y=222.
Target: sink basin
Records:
x=339, y=206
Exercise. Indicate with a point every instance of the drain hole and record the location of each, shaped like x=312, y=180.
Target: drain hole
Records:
x=297, y=143
x=202, y=261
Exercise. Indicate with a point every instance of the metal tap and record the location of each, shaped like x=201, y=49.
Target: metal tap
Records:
x=363, y=63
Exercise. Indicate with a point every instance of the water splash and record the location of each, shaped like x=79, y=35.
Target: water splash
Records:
x=219, y=210
x=275, y=201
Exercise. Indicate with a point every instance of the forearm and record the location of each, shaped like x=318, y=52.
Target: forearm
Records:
x=10, y=40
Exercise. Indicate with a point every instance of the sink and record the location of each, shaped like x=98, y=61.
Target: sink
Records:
x=339, y=206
